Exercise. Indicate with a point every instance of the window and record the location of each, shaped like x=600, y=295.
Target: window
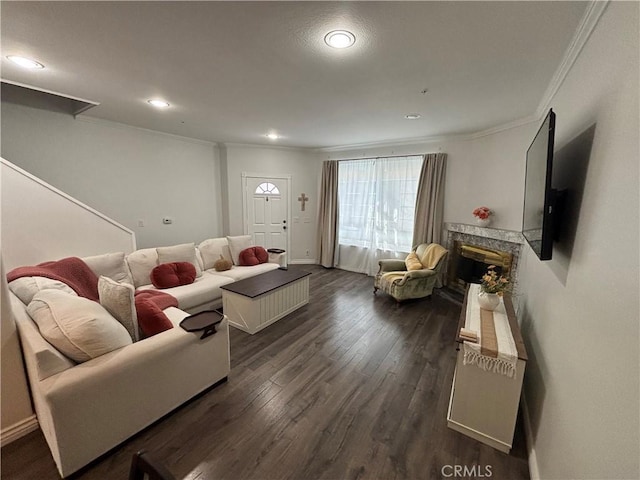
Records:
x=267, y=188
x=376, y=200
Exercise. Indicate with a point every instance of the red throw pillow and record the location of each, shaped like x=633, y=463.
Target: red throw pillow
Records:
x=173, y=274
x=253, y=256
x=151, y=319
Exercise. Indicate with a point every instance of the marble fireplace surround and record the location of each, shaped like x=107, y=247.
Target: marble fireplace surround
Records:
x=492, y=238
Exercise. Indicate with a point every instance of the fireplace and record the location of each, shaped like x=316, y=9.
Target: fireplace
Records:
x=470, y=262
x=472, y=249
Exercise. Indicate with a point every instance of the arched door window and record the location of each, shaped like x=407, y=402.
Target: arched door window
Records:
x=267, y=188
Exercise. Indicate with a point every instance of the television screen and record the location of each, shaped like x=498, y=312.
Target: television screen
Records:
x=539, y=197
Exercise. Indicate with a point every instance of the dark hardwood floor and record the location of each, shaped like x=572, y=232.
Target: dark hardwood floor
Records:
x=351, y=386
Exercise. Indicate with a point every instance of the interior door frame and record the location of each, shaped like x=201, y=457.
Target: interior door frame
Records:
x=245, y=199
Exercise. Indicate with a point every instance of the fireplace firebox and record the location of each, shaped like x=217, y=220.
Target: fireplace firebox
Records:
x=472, y=249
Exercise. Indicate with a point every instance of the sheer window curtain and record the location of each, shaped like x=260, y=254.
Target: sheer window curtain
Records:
x=328, y=215
x=377, y=208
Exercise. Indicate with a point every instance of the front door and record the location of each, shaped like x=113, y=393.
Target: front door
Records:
x=266, y=210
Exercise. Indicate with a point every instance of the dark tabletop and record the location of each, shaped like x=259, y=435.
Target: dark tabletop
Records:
x=265, y=282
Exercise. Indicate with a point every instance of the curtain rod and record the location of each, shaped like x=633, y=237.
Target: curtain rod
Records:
x=384, y=156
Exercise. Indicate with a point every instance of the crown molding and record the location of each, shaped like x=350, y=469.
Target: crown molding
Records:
x=505, y=126
x=392, y=143
x=435, y=139
x=260, y=145
x=588, y=23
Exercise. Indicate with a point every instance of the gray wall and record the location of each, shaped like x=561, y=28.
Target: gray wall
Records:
x=579, y=311
x=129, y=174
x=304, y=168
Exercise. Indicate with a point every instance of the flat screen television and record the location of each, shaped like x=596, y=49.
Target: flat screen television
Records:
x=539, y=217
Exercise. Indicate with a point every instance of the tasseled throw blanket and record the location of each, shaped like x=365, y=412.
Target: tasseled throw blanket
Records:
x=161, y=299
x=77, y=274
x=72, y=271
x=496, y=349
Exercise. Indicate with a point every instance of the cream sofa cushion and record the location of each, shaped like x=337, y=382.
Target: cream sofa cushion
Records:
x=238, y=272
x=78, y=327
x=204, y=290
x=185, y=252
x=211, y=250
x=237, y=244
x=25, y=288
x=110, y=265
x=141, y=262
x=118, y=299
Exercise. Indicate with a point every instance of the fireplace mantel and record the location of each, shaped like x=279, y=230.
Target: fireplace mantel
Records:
x=484, y=232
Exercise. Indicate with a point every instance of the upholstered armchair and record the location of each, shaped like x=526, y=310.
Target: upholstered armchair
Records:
x=414, y=277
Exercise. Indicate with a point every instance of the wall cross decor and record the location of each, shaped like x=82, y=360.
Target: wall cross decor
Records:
x=303, y=199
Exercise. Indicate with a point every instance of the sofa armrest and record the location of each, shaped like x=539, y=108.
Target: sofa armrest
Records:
x=42, y=359
x=122, y=392
x=279, y=258
x=392, y=265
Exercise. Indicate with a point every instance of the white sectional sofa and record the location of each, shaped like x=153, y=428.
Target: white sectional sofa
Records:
x=86, y=409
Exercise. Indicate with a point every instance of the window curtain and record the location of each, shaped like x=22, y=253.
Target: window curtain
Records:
x=377, y=203
x=328, y=215
x=430, y=200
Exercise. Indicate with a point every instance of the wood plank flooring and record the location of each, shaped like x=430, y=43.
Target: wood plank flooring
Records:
x=351, y=386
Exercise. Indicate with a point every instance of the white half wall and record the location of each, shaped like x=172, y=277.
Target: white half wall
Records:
x=580, y=315
x=41, y=223
x=127, y=173
x=304, y=168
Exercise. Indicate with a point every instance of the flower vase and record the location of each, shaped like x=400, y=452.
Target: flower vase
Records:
x=488, y=301
x=483, y=222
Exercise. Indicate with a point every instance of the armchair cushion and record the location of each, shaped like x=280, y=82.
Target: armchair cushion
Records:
x=412, y=262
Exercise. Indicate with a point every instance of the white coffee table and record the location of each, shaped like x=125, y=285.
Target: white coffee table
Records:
x=255, y=303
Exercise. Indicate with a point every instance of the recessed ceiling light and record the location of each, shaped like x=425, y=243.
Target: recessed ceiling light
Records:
x=25, y=62
x=340, y=39
x=272, y=136
x=158, y=103
x=412, y=116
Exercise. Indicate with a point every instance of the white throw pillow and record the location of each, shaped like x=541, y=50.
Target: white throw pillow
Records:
x=237, y=244
x=118, y=299
x=78, y=327
x=25, y=288
x=211, y=249
x=110, y=265
x=141, y=262
x=185, y=252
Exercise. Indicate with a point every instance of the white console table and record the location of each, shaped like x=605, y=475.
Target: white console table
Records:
x=484, y=405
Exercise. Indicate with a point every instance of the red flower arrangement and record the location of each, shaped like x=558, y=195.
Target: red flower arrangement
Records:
x=482, y=212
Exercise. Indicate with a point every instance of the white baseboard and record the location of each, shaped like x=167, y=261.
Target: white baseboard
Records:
x=303, y=261
x=534, y=471
x=18, y=430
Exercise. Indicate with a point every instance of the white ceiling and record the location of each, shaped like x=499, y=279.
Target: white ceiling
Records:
x=234, y=71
